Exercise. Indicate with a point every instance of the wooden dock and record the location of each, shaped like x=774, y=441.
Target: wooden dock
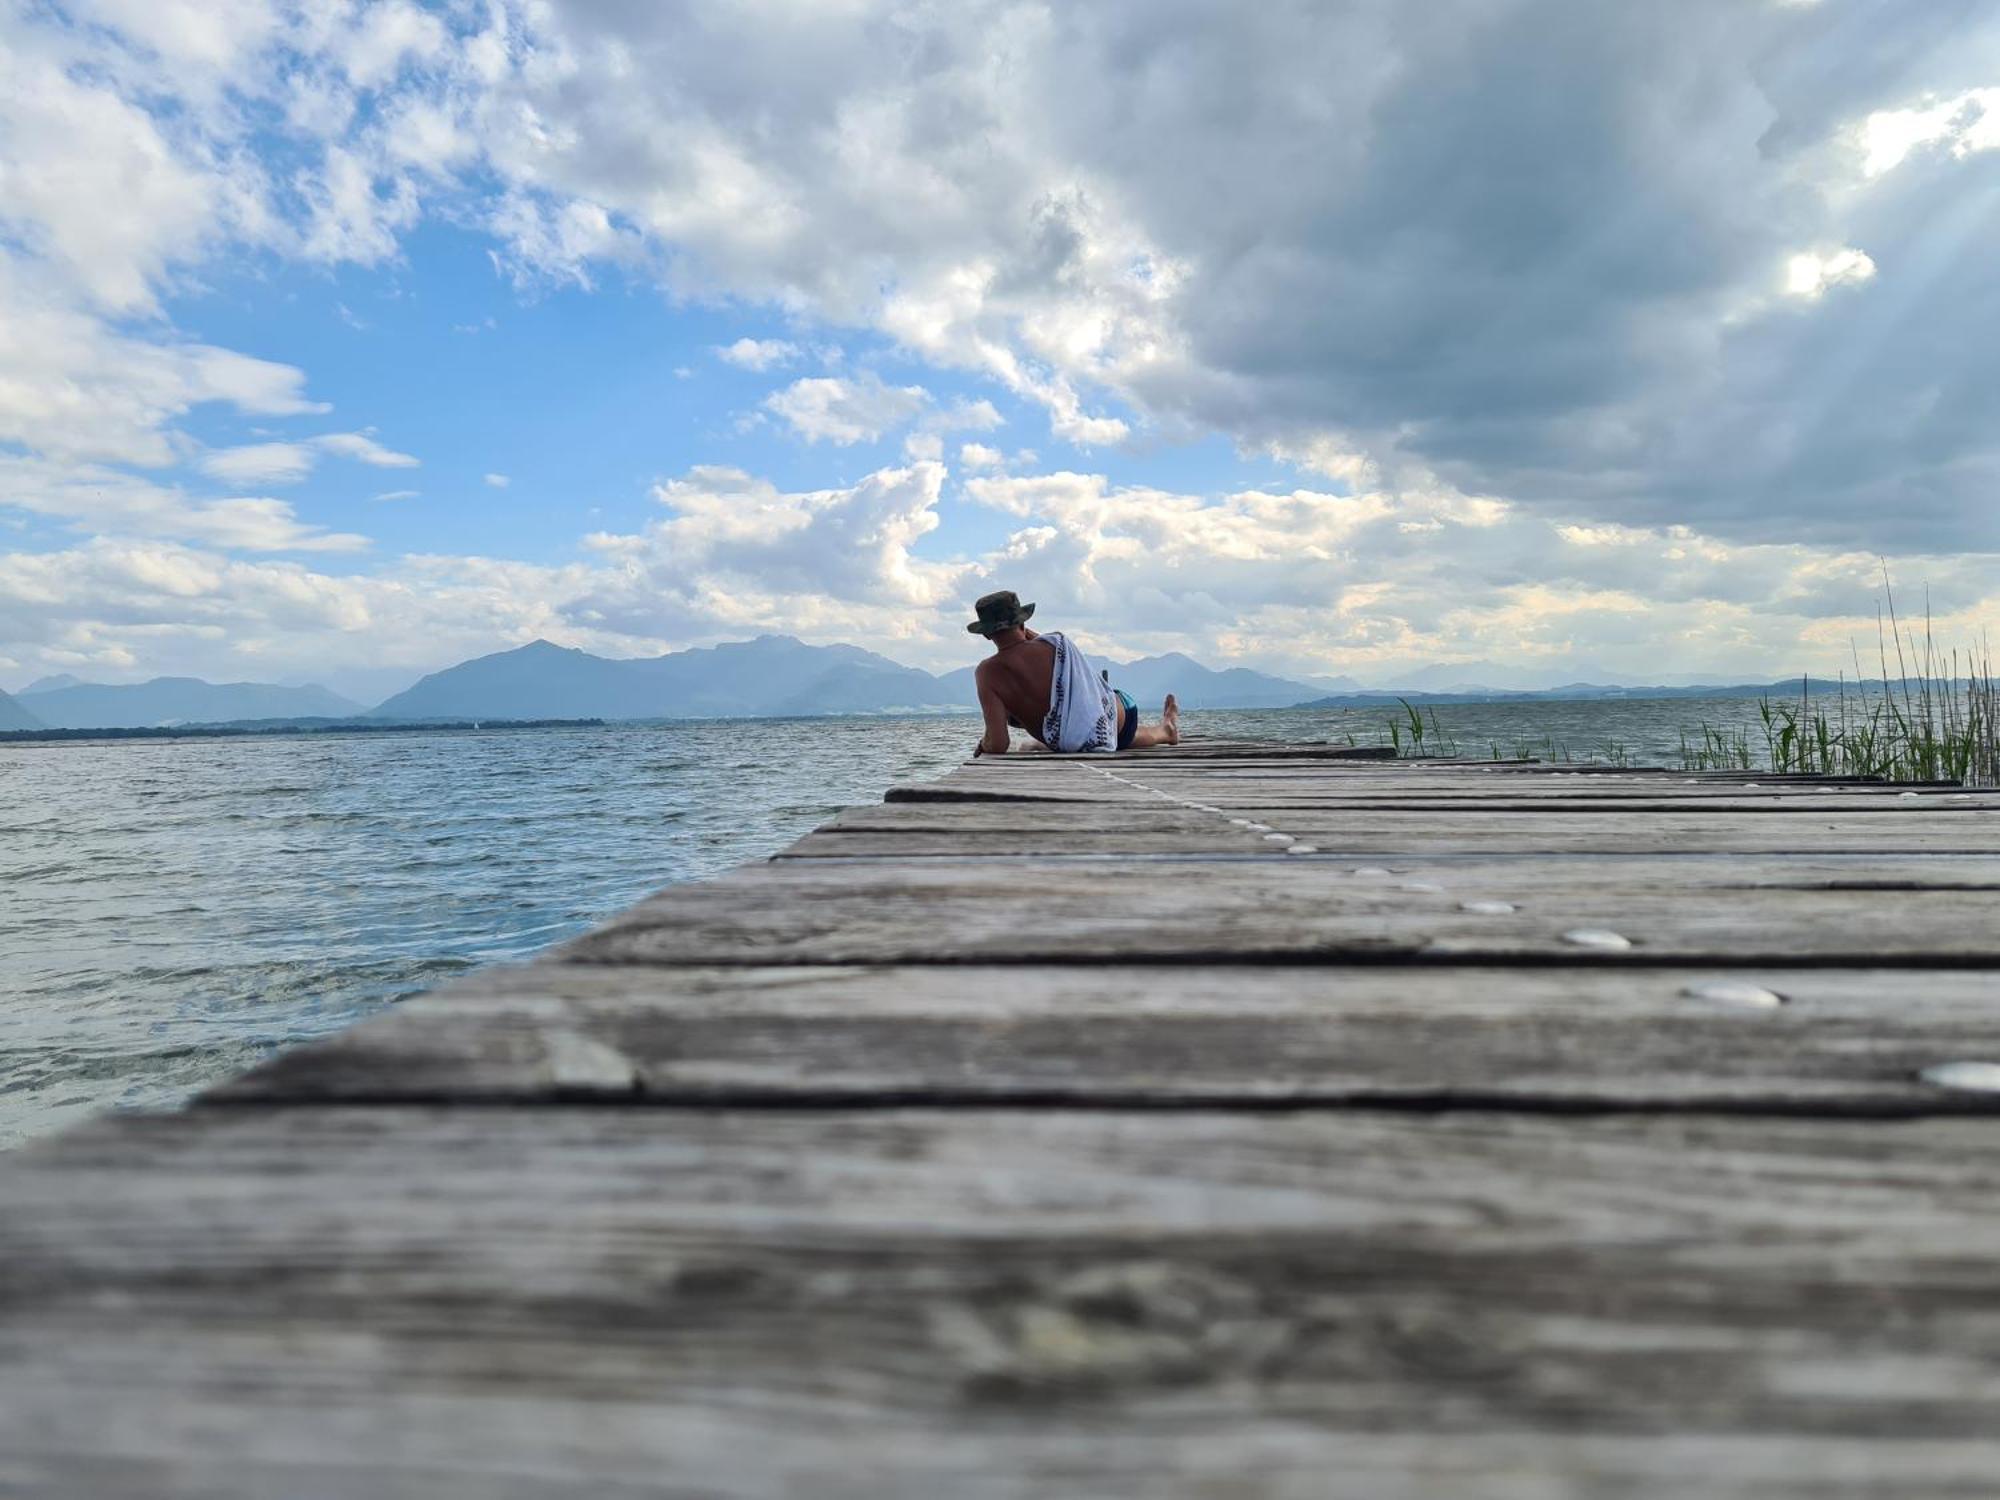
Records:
x=1235, y=1120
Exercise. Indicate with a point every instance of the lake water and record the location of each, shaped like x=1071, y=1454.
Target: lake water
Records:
x=172, y=911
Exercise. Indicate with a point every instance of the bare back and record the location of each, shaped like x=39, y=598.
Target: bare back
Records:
x=1018, y=678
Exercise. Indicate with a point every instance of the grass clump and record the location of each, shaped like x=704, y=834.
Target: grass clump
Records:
x=1423, y=738
x=1936, y=719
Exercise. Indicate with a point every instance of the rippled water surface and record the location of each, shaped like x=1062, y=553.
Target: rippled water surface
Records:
x=171, y=911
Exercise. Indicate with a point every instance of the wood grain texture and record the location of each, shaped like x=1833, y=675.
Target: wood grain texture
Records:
x=1695, y=909
x=1160, y=828
x=1247, y=782
x=586, y=1302
x=1648, y=1039
x=935, y=1162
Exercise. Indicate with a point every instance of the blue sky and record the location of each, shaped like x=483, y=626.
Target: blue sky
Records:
x=343, y=341
x=582, y=399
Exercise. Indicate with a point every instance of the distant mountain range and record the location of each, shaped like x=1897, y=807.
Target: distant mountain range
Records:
x=13, y=716
x=65, y=703
x=773, y=675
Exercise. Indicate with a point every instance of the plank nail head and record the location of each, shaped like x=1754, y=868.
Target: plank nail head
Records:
x=1597, y=937
x=1734, y=992
x=1969, y=1077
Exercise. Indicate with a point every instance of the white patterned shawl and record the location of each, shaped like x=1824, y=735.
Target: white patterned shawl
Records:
x=1083, y=714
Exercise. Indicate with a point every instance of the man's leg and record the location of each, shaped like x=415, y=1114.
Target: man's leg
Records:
x=1166, y=732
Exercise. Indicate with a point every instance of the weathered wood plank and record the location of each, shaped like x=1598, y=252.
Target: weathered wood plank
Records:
x=990, y=828
x=1727, y=909
x=1521, y=778
x=546, y=1302
x=1084, y=782
x=1198, y=751
x=1843, y=1040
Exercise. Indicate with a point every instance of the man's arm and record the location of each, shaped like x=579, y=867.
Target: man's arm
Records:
x=995, y=741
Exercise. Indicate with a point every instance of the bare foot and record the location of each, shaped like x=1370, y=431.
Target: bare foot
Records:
x=1171, y=717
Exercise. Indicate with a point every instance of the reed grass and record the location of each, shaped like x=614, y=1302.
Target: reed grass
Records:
x=1422, y=734
x=1937, y=718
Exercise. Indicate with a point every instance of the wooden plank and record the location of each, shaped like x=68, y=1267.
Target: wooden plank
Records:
x=1483, y=779
x=1340, y=789
x=1843, y=1040
x=1697, y=909
x=1519, y=792
x=991, y=830
x=1200, y=751
x=353, y=1303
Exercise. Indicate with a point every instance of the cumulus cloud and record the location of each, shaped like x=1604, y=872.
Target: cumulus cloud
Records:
x=1527, y=246
x=1587, y=318
x=1298, y=580
x=1375, y=583
x=106, y=501
x=735, y=537
x=72, y=388
x=497, y=481
x=731, y=554
x=125, y=605
x=758, y=354
x=845, y=411
x=260, y=463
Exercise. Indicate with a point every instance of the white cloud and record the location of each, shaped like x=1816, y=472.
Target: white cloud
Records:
x=148, y=606
x=844, y=411
x=97, y=190
x=742, y=536
x=1810, y=274
x=71, y=387
x=260, y=463
x=110, y=502
x=1298, y=580
x=287, y=463
x=498, y=481
x=362, y=448
x=758, y=354
x=1375, y=583
x=1966, y=123
x=387, y=495
x=1151, y=223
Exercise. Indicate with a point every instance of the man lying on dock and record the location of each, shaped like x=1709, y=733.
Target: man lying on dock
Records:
x=1044, y=681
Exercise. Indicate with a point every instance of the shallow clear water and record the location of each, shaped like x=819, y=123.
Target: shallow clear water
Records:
x=171, y=911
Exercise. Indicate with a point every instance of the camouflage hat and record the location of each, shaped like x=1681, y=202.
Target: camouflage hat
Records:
x=1001, y=611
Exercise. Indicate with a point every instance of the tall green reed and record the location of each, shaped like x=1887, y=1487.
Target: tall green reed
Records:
x=1936, y=718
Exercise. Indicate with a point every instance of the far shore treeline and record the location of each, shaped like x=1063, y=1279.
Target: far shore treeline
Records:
x=330, y=726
